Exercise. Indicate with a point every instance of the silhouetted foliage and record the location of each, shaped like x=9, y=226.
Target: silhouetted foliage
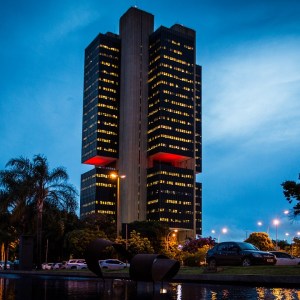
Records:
x=31, y=185
x=291, y=191
x=155, y=231
x=193, y=245
x=261, y=240
x=101, y=222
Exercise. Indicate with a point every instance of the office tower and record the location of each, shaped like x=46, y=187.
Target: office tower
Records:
x=142, y=119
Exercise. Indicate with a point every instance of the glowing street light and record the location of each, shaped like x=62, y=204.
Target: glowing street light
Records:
x=173, y=232
x=118, y=214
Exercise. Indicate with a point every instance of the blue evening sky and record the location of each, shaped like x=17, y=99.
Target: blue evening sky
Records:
x=250, y=54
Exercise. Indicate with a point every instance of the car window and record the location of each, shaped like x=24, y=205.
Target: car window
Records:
x=247, y=246
x=233, y=247
x=223, y=247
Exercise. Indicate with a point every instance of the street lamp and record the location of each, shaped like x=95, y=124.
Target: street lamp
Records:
x=168, y=236
x=118, y=210
x=276, y=223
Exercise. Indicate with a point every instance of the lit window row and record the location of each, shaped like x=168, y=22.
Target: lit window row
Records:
x=160, y=127
x=107, y=89
x=168, y=192
x=172, y=67
x=109, y=55
x=88, y=204
x=188, y=47
x=107, y=149
x=107, y=106
x=109, y=81
x=160, y=172
x=170, y=75
x=110, y=73
x=176, y=51
x=179, y=104
x=108, y=185
x=102, y=176
x=178, y=112
x=173, y=120
x=107, y=132
x=109, y=124
x=105, y=63
x=109, y=48
x=177, y=60
x=171, y=137
x=183, y=131
x=105, y=203
x=157, y=145
x=168, y=182
x=153, y=201
x=107, y=98
x=107, y=115
x=104, y=140
x=106, y=212
x=176, y=94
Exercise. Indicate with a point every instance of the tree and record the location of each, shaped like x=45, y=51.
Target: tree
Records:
x=261, y=240
x=193, y=245
x=136, y=244
x=295, y=247
x=77, y=240
x=291, y=191
x=101, y=222
x=155, y=231
x=33, y=183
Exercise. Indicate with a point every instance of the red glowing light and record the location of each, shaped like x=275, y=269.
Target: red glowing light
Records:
x=169, y=157
x=99, y=161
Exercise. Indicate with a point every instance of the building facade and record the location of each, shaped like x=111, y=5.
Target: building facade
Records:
x=142, y=119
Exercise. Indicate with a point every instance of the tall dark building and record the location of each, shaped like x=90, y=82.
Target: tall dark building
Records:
x=142, y=119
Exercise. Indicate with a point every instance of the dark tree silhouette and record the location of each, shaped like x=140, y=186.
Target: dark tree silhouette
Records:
x=291, y=191
x=33, y=183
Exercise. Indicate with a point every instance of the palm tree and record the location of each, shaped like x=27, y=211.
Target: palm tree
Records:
x=33, y=183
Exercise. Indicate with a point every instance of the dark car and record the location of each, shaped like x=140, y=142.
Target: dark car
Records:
x=238, y=253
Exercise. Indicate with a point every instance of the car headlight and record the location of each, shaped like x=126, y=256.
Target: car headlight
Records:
x=256, y=255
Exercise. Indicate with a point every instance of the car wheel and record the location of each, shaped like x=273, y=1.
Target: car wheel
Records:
x=212, y=263
x=246, y=262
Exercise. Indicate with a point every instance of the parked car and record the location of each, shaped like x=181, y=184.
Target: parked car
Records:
x=284, y=258
x=57, y=266
x=238, y=253
x=2, y=264
x=47, y=266
x=112, y=264
x=76, y=264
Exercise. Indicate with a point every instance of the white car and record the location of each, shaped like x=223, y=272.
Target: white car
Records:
x=2, y=264
x=57, y=266
x=47, y=266
x=285, y=259
x=112, y=264
x=76, y=264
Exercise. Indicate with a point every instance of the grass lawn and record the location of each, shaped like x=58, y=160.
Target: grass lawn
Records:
x=252, y=270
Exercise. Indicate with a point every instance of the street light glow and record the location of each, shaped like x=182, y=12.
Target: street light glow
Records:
x=224, y=230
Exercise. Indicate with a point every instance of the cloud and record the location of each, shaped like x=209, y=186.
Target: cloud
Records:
x=253, y=94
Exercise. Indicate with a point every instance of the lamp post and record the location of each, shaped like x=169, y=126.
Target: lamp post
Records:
x=118, y=208
x=276, y=222
x=168, y=236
